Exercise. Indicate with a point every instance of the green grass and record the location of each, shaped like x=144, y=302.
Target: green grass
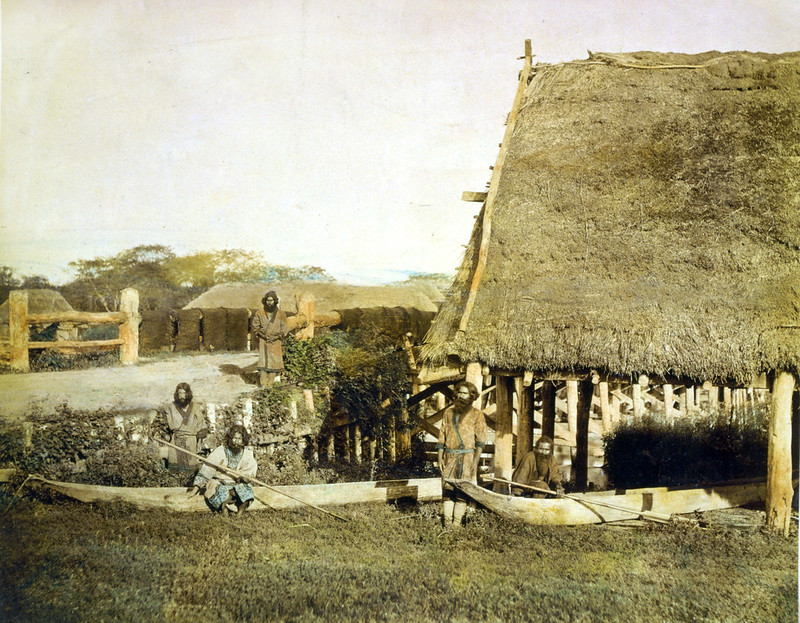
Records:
x=70, y=562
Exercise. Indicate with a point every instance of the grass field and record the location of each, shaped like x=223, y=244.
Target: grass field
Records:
x=69, y=562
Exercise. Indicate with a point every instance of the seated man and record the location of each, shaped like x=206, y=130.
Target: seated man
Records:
x=224, y=491
x=538, y=468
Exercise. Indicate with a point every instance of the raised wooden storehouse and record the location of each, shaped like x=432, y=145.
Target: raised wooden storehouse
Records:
x=643, y=219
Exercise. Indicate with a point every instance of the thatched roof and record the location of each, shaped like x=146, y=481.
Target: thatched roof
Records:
x=647, y=220
x=327, y=296
x=40, y=301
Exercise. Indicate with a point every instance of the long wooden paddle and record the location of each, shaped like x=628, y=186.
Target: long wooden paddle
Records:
x=255, y=481
x=649, y=515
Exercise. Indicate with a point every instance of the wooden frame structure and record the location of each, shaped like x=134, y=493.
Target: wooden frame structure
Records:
x=17, y=349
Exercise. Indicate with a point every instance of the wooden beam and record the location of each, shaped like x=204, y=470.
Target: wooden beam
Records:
x=572, y=405
x=503, y=431
x=443, y=386
x=477, y=197
x=638, y=403
x=580, y=471
x=486, y=225
x=129, y=330
x=18, y=330
x=605, y=407
x=474, y=375
x=669, y=400
x=76, y=344
x=306, y=308
x=524, y=419
x=779, y=455
x=79, y=317
x=548, y=398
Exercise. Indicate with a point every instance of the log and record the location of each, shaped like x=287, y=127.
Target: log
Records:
x=486, y=225
x=78, y=317
x=580, y=467
x=476, y=197
x=129, y=330
x=669, y=400
x=76, y=344
x=572, y=405
x=548, y=397
x=503, y=435
x=18, y=330
x=638, y=403
x=779, y=455
x=605, y=407
x=305, y=308
x=524, y=419
x=474, y=375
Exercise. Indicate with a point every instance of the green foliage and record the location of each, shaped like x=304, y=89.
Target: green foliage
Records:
x=64, y=563
x=312, y=362
x=47, y=360
x=687, y=451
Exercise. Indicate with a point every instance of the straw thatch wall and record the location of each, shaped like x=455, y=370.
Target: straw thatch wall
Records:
x=328, y=297
x=647, y=220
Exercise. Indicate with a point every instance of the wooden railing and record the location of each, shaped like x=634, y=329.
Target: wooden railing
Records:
x=18, y=347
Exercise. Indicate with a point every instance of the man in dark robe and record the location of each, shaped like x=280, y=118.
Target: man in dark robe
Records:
x=188, y=426
x=538, y=468
x=269, y=328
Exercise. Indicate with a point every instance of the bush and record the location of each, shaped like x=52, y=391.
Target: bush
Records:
x=688, y=451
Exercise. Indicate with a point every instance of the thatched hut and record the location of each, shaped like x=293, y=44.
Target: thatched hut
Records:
x=643, y=218
x=40, y=301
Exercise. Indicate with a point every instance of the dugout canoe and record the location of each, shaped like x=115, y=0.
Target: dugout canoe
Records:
x=579, y=509
x=176, y=499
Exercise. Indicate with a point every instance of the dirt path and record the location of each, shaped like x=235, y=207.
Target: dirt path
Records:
x=215, y=378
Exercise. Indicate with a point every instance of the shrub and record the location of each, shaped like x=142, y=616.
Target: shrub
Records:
x=687, y=451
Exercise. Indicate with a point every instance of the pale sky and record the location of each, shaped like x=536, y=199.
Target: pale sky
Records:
x=338, y=134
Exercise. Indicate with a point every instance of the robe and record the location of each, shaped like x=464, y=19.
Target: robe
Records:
x=270, y=353
x=459, y=435
x=185, y=424
x=528, y=472
x=220, y=485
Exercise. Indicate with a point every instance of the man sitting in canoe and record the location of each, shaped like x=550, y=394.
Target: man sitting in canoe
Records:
x=223, y=491
x=538, y=468
x=461, y=440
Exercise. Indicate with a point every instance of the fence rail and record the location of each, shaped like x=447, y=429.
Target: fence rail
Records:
x=17, y=349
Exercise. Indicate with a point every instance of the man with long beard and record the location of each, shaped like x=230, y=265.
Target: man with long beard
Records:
x=461, y=440
x=225, y=492
x=539, y=468
x=269, y=327
x=188, y=426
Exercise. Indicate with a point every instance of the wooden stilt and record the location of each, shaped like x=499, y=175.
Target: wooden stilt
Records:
x=357, y=443
x=690, y=404
x=347, y=455
x=474, y=375
x=727, y=400
x=503, y=434
x=548, y=397
x=524, y=420
x=669, y=400
x=129, y=330
x=572, y=405
x=779, y=455
x=331, y=453
x=638, y=403
x=580, y=471
x=616, y=404
x=18, y=330
x=605, y=407
x=391, y=437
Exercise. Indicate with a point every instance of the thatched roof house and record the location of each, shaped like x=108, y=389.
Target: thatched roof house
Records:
x=643, y=218
x=40, y=301
x=328, y=296
x=647, y=220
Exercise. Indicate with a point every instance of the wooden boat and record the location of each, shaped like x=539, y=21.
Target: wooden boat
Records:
x=176, y=498
x=588, y=508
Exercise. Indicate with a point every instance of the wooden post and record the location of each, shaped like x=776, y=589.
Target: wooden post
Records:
x=548, y=396
x=347, y=455
x=638, y=403
x=391, y=437
x=305, y=307
x=129, y=330
x=357, y=443
x=474, y=375
x=572, y=405
x=403, y=435
x=779, y=455
x=616, y=404
x=669, y=400
x=580, y=466
x=503, y=434
x=524, y=420
x=18, y=329
x=727, y=400
x=605, y=407
x=331, y=454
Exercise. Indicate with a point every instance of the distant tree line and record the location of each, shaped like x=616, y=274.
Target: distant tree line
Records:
x=163, y=278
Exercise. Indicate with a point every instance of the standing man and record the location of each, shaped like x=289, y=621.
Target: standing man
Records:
x=461, y=440
x=187, y=424
x=539, y=468
x=269, y=326
x=223, y=491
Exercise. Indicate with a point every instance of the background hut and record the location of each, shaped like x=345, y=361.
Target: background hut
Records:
x=643, y=218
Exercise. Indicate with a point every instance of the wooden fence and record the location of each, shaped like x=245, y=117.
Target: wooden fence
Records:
x=16, y=350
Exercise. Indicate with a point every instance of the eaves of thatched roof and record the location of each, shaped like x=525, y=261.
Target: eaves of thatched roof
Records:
x=647, y=220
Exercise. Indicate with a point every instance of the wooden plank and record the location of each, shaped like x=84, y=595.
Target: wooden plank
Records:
x=79, y=317
x=486, y=226
x=442, y=386
x=18, y=330
x=503, y=435
x=129, y=330
x=476, y=197
x=76, y=344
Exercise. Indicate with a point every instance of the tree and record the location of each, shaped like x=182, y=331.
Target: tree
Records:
x=8, y=282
